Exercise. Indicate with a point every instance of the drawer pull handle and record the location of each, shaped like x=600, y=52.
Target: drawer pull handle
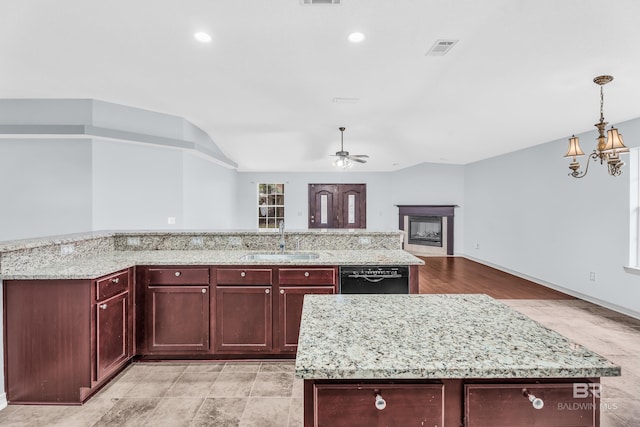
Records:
x=204, y=291
x=380, y=402
x=116, y=280
x=535, y=401
x=282, y=291
x=103, y=306
x=266, y=291
x=243, y=274
x=306, y=274
x=178, y=274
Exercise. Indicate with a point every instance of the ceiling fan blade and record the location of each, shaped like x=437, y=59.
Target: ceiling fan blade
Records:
x=356, y=159
x=360, y=155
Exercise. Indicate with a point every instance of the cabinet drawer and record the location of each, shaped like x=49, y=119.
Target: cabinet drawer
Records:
x=348, y=405
x=112, y=285
x=179, y=276
x=507, y=405
x=243, y=276
x=307, y=276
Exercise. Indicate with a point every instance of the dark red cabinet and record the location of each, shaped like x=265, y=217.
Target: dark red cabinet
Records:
x=113, y=343
x=506, y=405
x=389, y=405
x=177, y=316
x=295, y=283
x=244, y=319
x=244, y=310
x=258, y=309
x=60, y=345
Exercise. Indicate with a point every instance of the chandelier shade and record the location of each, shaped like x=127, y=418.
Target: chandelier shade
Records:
x=614, y=142
x=574, y=148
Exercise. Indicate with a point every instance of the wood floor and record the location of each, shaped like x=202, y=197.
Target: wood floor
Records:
x=456, y=275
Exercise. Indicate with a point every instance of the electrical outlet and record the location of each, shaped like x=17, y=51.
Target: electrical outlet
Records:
x=171, y=220
x=592, y=276
x=133, y=241
x=197, y=241
x=364, y=241
x=67, y=249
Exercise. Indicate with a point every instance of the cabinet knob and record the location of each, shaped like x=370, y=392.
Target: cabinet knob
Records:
x=380, y=402
x=243, y=274
x=103, y=306
x=282, y=291
x=204, y=291
x=267, y=291
x=116, y=280
x=306, y=274
x=535, y=401
x=178, y=274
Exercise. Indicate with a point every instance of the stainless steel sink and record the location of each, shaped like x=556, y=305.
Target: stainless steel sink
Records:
x=280, y=256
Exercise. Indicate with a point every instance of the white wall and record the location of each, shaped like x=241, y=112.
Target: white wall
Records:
x=45, y=187
x=433, y=184
x=136, y=186
x=209, y=194
x=528, y=216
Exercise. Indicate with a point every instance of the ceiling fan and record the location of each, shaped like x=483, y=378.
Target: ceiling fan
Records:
x=344, y=159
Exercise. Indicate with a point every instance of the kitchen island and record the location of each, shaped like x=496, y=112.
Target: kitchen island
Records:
x=434, y=360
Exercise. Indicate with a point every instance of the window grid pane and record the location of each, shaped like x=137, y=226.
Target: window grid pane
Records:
x=270, y=205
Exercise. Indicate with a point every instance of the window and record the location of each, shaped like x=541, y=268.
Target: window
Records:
x=270, y=205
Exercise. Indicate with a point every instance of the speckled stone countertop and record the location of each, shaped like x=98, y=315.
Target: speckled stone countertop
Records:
x=90, y=267
x=95, y=254
x=433, y=337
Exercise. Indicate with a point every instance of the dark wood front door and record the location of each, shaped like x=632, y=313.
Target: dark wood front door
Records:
x=337, y=205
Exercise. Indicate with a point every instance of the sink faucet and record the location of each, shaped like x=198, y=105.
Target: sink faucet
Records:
x=281, y=236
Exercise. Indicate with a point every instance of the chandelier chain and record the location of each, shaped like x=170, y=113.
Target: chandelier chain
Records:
x=601, y=103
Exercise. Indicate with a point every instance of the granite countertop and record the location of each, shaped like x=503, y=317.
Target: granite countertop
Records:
x=433, y=337
x=90, y=267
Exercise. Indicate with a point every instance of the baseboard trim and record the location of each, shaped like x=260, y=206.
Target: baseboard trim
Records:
x=3, y=401
x=606, y=304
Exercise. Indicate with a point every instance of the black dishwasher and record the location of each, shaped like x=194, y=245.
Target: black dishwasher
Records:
x=374, y=279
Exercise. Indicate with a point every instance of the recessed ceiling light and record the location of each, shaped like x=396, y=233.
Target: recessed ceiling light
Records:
x=356, y=37
x=202, y=37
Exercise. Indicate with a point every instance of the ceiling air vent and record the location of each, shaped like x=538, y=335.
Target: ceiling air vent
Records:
x=311, y=2
x=441, y=47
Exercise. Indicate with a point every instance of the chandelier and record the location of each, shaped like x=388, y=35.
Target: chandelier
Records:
x=608, y=149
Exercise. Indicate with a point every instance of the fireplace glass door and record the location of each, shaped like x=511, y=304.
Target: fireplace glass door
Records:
x=425, y=230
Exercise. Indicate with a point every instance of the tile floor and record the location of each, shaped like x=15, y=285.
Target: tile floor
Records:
x=255, y=394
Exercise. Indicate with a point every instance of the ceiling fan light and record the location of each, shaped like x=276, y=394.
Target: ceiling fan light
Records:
x=342, y=163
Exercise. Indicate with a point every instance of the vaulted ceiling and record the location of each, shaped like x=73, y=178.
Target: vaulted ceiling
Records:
x=279, y=78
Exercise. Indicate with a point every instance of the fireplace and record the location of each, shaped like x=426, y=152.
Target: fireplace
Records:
x=428, y=229
x=425, y=230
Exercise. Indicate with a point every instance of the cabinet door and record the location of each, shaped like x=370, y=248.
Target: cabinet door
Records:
x=402, y=405
x=243, y=318
x=506, y=405
x=290, y=312
x=178, y=318
x=112, y=334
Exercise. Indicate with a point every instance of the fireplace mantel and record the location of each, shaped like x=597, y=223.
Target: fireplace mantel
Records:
x=430, y=210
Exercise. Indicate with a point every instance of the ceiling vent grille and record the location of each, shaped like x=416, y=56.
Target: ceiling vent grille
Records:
x=312, y=2
x=441, y=47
